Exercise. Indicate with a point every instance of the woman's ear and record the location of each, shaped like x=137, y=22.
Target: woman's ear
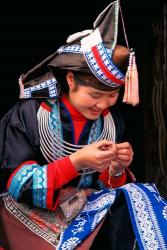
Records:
x=70, y=80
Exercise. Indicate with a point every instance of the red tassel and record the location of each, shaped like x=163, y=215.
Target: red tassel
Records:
x=131, y=93
x=135, y=84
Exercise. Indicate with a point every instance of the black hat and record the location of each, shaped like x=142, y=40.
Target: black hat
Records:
x=92, y=51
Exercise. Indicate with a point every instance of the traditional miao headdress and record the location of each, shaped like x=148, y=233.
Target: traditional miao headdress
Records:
x=89, y=51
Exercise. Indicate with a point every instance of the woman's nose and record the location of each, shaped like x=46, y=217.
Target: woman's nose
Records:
x=102, y=104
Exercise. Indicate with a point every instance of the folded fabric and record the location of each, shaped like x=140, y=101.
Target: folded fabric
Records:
x=147, y=209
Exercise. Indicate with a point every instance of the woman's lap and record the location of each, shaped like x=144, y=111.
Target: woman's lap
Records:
x=116, y=233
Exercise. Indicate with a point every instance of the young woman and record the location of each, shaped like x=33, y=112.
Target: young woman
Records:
x=64, y=158
x=37, y=173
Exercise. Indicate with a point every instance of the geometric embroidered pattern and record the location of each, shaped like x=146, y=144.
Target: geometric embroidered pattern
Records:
x=40, y=187
x=146, y=207
x=39, y=183
x=51, y=84
x=107, y=72
x=92, y=214
x=144, y=217
x=22, y=212
x=147, y=216
x=76, y=49
x=20, y=178
x=70, y=49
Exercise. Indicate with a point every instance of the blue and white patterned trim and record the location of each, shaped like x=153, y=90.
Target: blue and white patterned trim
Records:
x=40, y=187
x=55, y=128
x=145, y=219
x=95, y=130
x=111, y=67
x=93, y=213
x=99, y=200
x=20, y=178
x=76, y=49
x=146, y=208
x=70, y=49
x=51, y=84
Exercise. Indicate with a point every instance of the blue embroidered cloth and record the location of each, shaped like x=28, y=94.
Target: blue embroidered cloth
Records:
x=148, y=212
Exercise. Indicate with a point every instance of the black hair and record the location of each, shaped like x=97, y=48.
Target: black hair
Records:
x=90, y=80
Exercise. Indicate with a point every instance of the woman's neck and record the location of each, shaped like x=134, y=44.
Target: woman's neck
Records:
x=75, y=114
x=78, y=119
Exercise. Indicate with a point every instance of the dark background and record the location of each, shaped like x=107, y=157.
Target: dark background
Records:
x=32, y=30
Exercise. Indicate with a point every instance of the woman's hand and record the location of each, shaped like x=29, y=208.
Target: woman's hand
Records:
x=124, y=157
x=97, y=156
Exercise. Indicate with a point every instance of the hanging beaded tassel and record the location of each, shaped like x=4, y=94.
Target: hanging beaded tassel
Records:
x=131, y=93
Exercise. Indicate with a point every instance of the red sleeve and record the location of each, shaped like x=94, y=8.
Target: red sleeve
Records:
x=113, y=182
x=41, y=181
x=60, y=172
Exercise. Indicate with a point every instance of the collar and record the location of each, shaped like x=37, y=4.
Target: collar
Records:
x=76, y=115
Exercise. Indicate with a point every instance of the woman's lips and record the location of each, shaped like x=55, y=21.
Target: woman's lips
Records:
x=95, y=111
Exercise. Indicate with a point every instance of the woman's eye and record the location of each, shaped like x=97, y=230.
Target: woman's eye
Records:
x=95, y=95
x=114, y=94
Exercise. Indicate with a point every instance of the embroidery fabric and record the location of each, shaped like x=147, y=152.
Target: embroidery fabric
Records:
x=44, y=223
x=149, y=217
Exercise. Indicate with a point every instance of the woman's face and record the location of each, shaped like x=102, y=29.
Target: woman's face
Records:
x=90, y=102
